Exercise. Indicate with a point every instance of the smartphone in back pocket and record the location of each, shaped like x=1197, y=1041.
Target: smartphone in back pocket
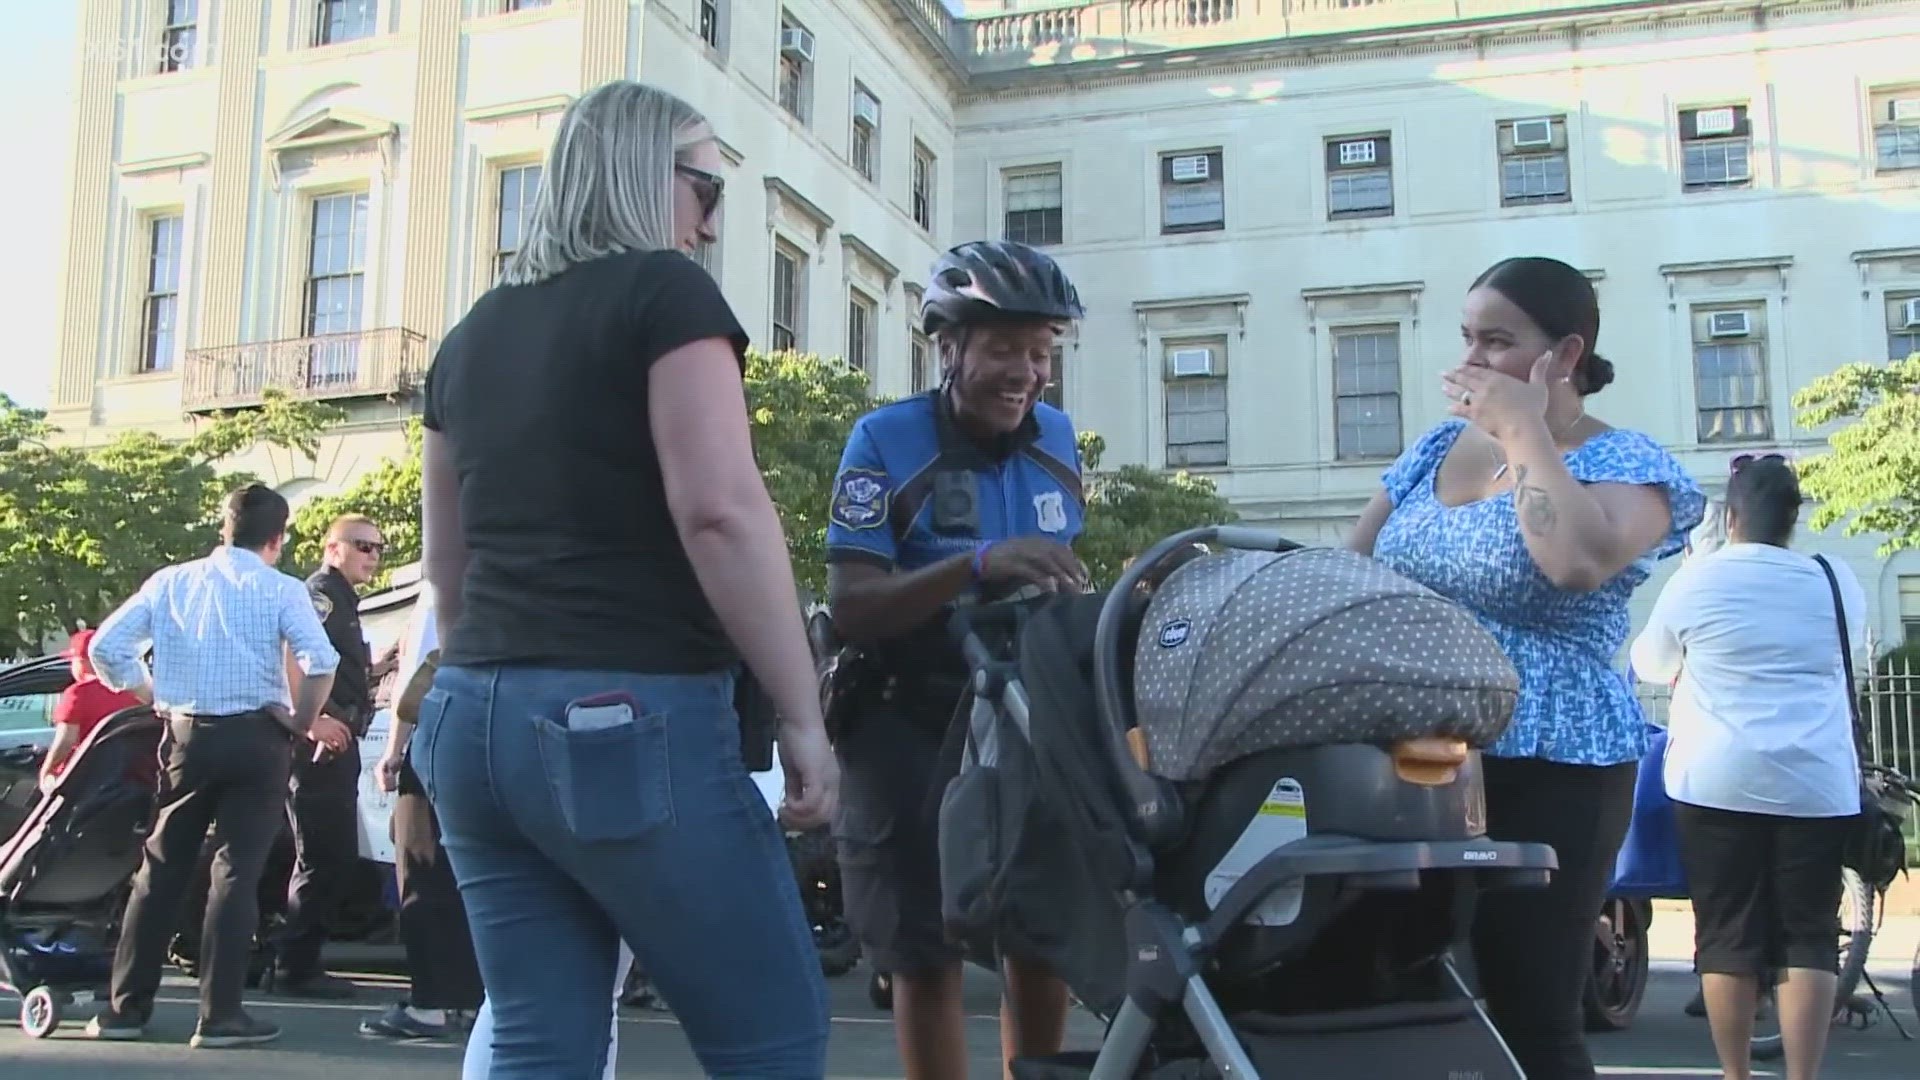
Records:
x=601, y=711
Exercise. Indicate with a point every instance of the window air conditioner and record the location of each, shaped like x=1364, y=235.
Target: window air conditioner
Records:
x=1189, y=167
x=1189, y=363
x=1911, y=309
x=1900, y=109
x=796, y=43
x=866, y=110
x=1533, y=132
x=1729, y=324
x=1358, y=153
x=1713, y=121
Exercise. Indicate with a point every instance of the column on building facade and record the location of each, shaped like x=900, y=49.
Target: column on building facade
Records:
x=97, y=75
x=430, y=161
x=603, y=46
x=235, y=142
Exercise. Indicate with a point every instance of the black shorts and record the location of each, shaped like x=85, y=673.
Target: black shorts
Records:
x=887, y=836
x=1765, y=888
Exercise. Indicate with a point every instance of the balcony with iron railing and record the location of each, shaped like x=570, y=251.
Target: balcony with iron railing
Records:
x=1043, y=34
x=386, y=363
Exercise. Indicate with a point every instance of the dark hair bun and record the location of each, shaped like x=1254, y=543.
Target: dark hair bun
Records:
x=1595, y=374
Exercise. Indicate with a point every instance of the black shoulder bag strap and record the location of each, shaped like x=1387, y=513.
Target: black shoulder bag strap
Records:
x=1846, y=656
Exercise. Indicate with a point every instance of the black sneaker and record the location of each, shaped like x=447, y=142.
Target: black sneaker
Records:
x=109, y=1025
x=242, y=1030
x=400, y=1025
x=321, y=987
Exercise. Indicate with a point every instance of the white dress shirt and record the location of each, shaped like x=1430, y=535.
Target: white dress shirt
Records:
x=1759, y=721
x=219, y=627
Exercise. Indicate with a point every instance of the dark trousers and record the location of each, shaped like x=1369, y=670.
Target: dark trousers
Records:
x=227, y=771
x=271, y=892
x=323, y=808
x=1533, y=948
x=433, y=921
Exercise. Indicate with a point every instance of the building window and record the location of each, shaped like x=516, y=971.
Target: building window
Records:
x=1196, y=402
x=1055, y=392
x=160, y=314
x=1730, y=373
x=336, y=280
x=1359, y=177
x=523, y=5
x=1716, y=148
x=1903, y=325
x=1533, y=161
x=1910, y=608
x=343, y=20
x=863, y=149
x=1033, y=205
x=710, y=23
x=1366, y=392
x=178, y=35
x=922, y=186
x=789, y=297
x=796, y=67
x=861, y=315
x=519, y=187
x=926, y=369
x=1896, y=130
x=1193, y=191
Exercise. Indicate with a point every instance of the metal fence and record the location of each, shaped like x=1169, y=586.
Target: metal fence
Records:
x=1889, y=709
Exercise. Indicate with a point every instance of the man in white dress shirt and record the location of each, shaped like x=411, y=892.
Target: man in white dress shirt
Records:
x=226, y=631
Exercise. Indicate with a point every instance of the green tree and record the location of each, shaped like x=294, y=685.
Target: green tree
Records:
x=1132, y=507
x=389, y=494
x=1871, y=477
x=802, y=408
x=82, y=527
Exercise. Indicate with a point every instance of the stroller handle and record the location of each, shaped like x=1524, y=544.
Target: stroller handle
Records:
x=1155, y=813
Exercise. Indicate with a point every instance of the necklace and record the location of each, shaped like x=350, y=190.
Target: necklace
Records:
x=1555, y=435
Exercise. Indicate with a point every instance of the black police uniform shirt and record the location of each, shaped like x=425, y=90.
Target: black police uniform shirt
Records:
x=913, y=490
x=338, y=606
x=541, y=395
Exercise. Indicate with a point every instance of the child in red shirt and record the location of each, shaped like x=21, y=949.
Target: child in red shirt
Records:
x=80, y=709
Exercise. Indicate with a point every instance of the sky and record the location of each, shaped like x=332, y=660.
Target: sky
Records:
x=37, y=55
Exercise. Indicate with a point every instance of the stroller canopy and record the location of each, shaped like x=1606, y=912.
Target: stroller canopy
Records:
x=1246, y=651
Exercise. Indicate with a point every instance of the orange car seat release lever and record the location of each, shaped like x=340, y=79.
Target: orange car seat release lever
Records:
x=1430, y=761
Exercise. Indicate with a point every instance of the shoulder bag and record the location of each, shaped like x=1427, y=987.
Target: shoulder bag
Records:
x=1876, y=845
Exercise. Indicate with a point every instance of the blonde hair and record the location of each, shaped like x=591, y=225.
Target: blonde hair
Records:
x=608, y=183
x=344, y=522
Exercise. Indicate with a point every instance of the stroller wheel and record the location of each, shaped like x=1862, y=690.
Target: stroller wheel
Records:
x=880, y=991
x=40, y=1011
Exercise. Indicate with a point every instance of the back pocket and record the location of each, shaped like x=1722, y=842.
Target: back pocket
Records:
x=610, y=783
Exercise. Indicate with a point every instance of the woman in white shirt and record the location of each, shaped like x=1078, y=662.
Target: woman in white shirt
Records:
x=1761, y=764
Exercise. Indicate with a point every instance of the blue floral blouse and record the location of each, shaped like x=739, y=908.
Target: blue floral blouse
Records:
x=1575, y=707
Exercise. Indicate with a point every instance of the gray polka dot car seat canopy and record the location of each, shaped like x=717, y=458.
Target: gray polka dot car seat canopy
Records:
x=1247, y=651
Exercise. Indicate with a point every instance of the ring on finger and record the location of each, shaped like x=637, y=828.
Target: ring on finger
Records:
x=1466, y=397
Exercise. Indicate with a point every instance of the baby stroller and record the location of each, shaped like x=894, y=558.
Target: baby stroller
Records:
x=64, y=874
x=1236, y=805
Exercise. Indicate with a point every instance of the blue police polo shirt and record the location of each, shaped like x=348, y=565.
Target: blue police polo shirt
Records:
x=914, y=490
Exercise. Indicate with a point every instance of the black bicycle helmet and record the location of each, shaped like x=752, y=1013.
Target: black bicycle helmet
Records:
x=996, y=281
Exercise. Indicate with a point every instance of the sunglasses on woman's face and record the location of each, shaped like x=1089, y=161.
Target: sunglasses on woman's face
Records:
x=707, y=187
x=1741, y=461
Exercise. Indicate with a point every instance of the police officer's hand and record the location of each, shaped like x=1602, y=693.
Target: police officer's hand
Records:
x=331, y=735
x=1033, y=560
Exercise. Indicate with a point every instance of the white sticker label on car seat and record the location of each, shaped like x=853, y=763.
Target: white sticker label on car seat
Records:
x=1281, y=820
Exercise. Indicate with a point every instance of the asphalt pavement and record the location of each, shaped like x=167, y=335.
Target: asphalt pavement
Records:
x=320, y=1040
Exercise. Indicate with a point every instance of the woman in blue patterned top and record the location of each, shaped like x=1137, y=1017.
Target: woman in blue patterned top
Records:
x=1541, y=520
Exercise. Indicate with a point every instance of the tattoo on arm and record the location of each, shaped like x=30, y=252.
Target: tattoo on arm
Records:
x=1536, y=511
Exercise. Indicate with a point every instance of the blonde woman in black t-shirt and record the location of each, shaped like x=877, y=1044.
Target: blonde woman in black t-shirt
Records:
x=605, y=557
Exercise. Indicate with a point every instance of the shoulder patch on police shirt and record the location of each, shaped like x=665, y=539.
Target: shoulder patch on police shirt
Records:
x=322, y=603
x=1050, y=511
x=860, y=498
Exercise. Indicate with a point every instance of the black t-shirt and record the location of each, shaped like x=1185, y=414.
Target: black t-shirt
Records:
x=541, y=392
x=338, y=606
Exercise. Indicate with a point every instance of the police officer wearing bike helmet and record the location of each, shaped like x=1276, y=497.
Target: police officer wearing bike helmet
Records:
x=968, y=491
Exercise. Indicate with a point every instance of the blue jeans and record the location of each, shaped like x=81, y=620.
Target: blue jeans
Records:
x=566, y=842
